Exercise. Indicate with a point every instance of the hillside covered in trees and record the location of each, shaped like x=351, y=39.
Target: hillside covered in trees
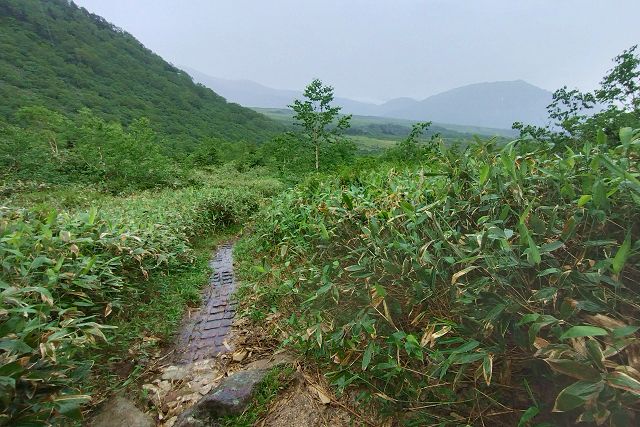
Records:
x=61, y=56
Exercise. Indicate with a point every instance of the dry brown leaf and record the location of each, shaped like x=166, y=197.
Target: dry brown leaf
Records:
x=385, y=397
x=540, y=343
x=239, y=356
x=461, y=273
x=322, y=395
x=426, y=337
x=633, y=356
x=605, y=321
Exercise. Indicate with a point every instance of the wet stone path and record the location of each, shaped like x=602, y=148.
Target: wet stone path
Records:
x=204, y=336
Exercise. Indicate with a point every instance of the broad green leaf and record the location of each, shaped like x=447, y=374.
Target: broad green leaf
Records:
x=548, y=271
x=626, y=134
x=622, y=255
x=544, y=294
x=599, y=195
x=407, y=208
x=601, y=137
x=574, y=369
x=533, y=254
x=595, y=353
x=347, y=200
x=624, y=331
x=633, y=182
x=577, y=394
x=583, y=331
x=528, y=415
x=484, y=173
x=551, y=246
x=368, y=353
x=624, y=382
x=468, y=346
x=584, y=199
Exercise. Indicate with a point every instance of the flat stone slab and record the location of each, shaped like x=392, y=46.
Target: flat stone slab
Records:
x=120, y=411
x=231, y=397
x=204, y=336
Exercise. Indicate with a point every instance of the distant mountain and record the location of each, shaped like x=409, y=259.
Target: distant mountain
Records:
x=60, y=56
x=246, y=92
x=493, y=105
x=496, y=104
x=252, y=94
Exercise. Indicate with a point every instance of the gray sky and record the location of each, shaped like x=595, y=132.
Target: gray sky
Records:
x=377, y=50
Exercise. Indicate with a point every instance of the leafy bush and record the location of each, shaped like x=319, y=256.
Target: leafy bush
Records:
x=494, y=285
x=52, y=149
x=61, y=277
x=64, y=277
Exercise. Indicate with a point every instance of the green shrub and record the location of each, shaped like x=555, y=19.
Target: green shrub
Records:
x=61, y=277
x=494, y=284
x=65, y=277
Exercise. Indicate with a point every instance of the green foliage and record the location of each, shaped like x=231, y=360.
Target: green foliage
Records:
x=57, y=54
x=65, y=277
x=49, y=148
x=207, y=153
x=437, y=289
x=622, y=84
x=321, y=122
x=409, y=149
x=62, y=276
x=615, y=105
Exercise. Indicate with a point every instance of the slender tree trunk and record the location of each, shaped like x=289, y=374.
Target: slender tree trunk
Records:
x=317, y=157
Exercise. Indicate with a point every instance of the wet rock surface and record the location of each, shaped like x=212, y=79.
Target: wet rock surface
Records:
x=207, y=332
x=120, y=411
x=231, y=397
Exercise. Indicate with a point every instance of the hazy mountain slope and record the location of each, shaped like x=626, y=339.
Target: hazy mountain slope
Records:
x=55, y=54
x=496, y=104
x=252, y=94
x=492, y=105
x=246, y=92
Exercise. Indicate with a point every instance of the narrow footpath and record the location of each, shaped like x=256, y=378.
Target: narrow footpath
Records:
x=207, y=333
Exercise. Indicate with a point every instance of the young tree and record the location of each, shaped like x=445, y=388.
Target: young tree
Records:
x=410, y=149
x=616, y=104
x=622, y=84
x=321, y=122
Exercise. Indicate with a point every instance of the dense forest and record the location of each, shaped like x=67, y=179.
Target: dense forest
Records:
x=432, y=281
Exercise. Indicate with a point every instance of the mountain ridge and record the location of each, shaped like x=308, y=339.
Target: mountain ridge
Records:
x=495, y=104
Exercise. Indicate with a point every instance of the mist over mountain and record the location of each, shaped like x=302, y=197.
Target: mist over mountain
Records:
x=251, y=94
x=493, y=104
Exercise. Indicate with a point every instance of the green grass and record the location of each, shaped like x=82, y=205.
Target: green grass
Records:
x=371, y=145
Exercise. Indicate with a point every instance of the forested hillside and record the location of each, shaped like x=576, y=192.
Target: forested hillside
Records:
x=58, y=55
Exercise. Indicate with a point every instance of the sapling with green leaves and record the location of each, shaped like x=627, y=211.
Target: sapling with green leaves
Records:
x=321, y=122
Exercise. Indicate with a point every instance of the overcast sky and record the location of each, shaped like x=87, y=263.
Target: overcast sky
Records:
x=376, y=49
